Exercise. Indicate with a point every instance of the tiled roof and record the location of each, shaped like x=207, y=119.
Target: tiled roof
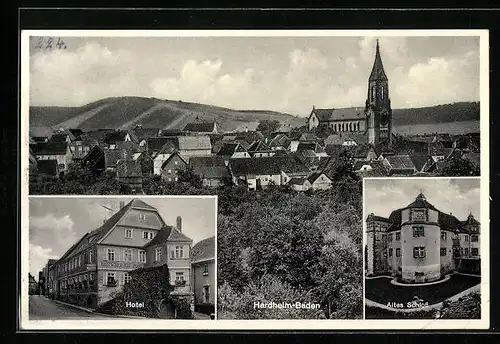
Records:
x=171, y=157
x=154, y=144
x=203, y=250
x=308, y=137
x=267, y=165
x=378, y=72
x=58, y=138
x=111, y=157
x=334, y=139
x=161, y=236
x=194, y=142
x=419, y=160
x=116, y=136
x=334, y=150
x=312, y=178
x=175, y=235
x=209, y=167
x=200, y=127
x=297, y=180
x=353, y=113
x=372, y=217
x=471, y=221
x=227, y=149
x=420, y=202
x=50, y=148
x=47, y=167
x=313, y=146
x=474, y=158
x=144, y=133
x=258, y=146
x=76, y=132
x=400, y=162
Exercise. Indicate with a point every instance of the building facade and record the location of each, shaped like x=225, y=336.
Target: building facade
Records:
x=95, y=268
x=203, y=270
x=419, y=243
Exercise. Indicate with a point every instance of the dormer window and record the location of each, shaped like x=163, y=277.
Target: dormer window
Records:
x=418, y=215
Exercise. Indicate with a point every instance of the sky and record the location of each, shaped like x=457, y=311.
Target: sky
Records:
x=57, y=223
x=288, y=74
x=456, y=196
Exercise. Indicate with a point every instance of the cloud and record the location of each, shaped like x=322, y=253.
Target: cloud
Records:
x=38, y=257
x=438, y=80
x=58, y=230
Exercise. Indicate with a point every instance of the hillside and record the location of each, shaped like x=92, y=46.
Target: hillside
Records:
x=456, y=112
x=126, y=112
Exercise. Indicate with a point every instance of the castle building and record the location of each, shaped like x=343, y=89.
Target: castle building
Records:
x=419, y=243
x=97, y=266
x=374, y=120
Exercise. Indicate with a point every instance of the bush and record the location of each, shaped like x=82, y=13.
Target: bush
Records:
x=182, y=308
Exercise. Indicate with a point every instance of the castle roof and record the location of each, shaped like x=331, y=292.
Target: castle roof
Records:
x=203, y=250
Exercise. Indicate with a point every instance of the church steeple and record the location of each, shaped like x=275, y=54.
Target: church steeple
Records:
x=378, y=73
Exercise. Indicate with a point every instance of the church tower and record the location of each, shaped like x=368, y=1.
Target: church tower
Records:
x=378, y=105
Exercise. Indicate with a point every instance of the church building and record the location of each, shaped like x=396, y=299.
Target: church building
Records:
x=374, y=120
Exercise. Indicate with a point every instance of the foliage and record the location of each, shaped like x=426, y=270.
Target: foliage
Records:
x=267, y=127
x=188, y=176
x=456, y=166
x=183, y=308
x=154, y=280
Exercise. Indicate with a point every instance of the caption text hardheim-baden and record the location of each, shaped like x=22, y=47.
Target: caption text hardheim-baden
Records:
x=284, y=305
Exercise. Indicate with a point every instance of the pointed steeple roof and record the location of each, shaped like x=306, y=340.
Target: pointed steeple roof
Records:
x=378, y=72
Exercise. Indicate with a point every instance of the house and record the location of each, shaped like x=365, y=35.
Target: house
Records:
x=259, y=149
x=315, y=147
x=58, y=151
x=373, y=168
x=420, y=161
x=143, y=134
x=129, y=172
x=299, y=184
x=81, y=146
x=194, y=146
x=32, y=285
x=203, y=271
x=48, y=167
x=94, y=159
x=212, y=170
x=145, y=161
x=319, y=181
x=171, y=167
x=114, y=137
x=101, y=262
x=39, y=139
x=279, y=142
x=232, y=151
x=338, y=120
x=60, y=137
x=399, y=165
x=419, y=243
x=162, y=155
x=201, y=127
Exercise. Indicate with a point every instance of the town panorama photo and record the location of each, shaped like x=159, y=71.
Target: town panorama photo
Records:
x=283, y=130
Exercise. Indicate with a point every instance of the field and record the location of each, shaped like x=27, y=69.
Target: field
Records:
x=453, y=128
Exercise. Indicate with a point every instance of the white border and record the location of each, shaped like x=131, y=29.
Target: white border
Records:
x=484, y=322
x=264, y=324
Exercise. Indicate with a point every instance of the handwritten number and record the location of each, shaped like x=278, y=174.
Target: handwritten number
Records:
x=49, y=43
x=39, y=45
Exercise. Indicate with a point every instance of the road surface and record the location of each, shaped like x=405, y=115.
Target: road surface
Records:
x=41, y=308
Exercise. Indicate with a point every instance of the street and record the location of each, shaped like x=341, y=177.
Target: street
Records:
x=41, y=308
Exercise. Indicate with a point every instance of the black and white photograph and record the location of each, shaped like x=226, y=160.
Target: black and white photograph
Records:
x=422, y=248
x=282, y=126
x=96, y=258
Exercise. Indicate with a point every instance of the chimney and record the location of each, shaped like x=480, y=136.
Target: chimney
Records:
x=122, y=204
x=179, y=223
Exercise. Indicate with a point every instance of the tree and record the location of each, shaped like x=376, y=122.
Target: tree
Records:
x=457, y=166
x=188, y=176
x=267, y=127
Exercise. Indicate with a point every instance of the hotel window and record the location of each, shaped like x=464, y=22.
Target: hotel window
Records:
x=390, y=252
x=474, y=252
x=418, y=232
x=142, y=216
x=443, y=235
x=169, y=171
x=142, y=256
x=179, y=276
x=127, y=255
x=111, y=254
x=110, y=280
x=466, y=251
x=398, y=236
x=91, y=256
x=466, y=238
x=125, y=278
x=474, y=238
x=398, y=252
x=128, y=233
x=418, y=215
x=176, y=162
x=390, y=236
x=205, y=269
x=145, y=235
x=419, y=252
x=179, y=252
x=158, y=254
x=443, y=252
